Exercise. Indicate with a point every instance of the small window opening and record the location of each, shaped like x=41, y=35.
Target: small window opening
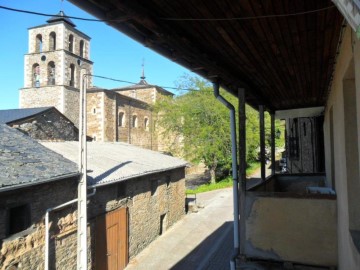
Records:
x=146, y=123
x=51, y=73
x=134, y=121
x=38, y=43
x=72, y=75
x=82, y=48
x=52, y=41
x=94, y=138
x=19, y=218
x=121, y=119
x=71, y=43
x=94, y=110
x=36, y=75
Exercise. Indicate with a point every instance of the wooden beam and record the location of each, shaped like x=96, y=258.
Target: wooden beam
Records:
x=272, y=115
x=242, y=168
x=262, y=142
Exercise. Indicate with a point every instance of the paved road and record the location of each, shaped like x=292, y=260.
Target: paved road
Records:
x=202, y=240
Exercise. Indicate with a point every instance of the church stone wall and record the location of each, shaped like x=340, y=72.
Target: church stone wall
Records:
x=95, y=117
x=72, y=104
x=109, y=116
x=31, y=59
x=42, y=97
x=137, y=135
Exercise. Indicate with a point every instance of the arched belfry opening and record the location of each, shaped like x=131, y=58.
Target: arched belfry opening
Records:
x=38, y=43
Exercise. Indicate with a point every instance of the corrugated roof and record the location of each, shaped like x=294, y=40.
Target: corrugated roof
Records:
x=7, y=116
x=111, y=162
x=24, y=162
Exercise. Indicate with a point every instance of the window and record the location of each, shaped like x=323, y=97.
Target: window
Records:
x=52, y=41
x=36, y=75
x=82, y=48
x=19, y=219
x=134, y=121
x=94, y=138
x=94, y=110
x=38, y=43
x=146, y=123
x=153, y=187
x=72, y=75
x=51, y=73
x=121, y=119
x=71, y=43
x=121, y=190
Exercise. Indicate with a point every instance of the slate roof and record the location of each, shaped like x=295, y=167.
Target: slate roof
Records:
x=25, y=162
x=111, y=162
x=7, y=116
x=142, y=84
x=61, y=17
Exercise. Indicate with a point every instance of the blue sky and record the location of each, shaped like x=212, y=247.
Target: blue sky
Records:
x=114, y=54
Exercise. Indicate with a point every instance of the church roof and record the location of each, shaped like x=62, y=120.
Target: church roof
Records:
x=25, y=162
x=142, y=84
x=61, y=17
x=125, y=162
x=7, y=116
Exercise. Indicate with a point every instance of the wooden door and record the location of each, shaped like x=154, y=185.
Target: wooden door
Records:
x=112, y=240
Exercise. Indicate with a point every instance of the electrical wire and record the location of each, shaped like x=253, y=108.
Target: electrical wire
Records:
x=250, y=17
x=60, y=16
x=134, y=83
x=175, y=19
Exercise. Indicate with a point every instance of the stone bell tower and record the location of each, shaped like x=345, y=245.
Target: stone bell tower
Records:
x=57, y=54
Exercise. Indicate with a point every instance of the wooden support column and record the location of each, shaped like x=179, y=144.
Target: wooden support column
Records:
x=242, y=168
x=262, y=142
x=272, y=115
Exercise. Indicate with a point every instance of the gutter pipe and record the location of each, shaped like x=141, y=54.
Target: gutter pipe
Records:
x=234, y=172
x=47, y=238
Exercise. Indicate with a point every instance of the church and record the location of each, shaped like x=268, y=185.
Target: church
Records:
x=58, y=54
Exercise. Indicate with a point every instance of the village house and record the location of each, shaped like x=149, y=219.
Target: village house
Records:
x=284, y=57
x=45, y=123
x=58, y=55
x=139, y=191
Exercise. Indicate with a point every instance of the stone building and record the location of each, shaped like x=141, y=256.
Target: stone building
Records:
x=140, y=191
x=58, y=53
x=32, y=180
x=45, y=123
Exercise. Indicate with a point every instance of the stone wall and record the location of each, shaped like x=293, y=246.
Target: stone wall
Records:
x=48, y=126
x=25, y=249
x=109, y=116
x=71, y=104
x=49, y=96
x=145, y=208
x=95, y=117
x=138, y=135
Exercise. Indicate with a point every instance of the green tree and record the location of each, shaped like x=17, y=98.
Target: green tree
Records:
x=201, y=125
x=201, y=122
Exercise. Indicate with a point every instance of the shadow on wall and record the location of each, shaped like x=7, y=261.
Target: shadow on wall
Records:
x=213, y=253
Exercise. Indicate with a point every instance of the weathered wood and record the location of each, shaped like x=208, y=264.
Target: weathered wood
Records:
x=242, y=168
x=262, y=142
x=284, y=62
x=272, y=116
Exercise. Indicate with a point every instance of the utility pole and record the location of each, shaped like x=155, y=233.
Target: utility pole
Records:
x=82, y=186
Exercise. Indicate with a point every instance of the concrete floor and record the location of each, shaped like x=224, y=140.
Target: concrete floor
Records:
x=202, y=240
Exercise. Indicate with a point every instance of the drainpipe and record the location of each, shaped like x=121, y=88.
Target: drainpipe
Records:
x=47, y=238
x=234, y=171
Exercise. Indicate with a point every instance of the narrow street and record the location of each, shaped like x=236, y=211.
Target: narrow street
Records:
x=202, y=240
